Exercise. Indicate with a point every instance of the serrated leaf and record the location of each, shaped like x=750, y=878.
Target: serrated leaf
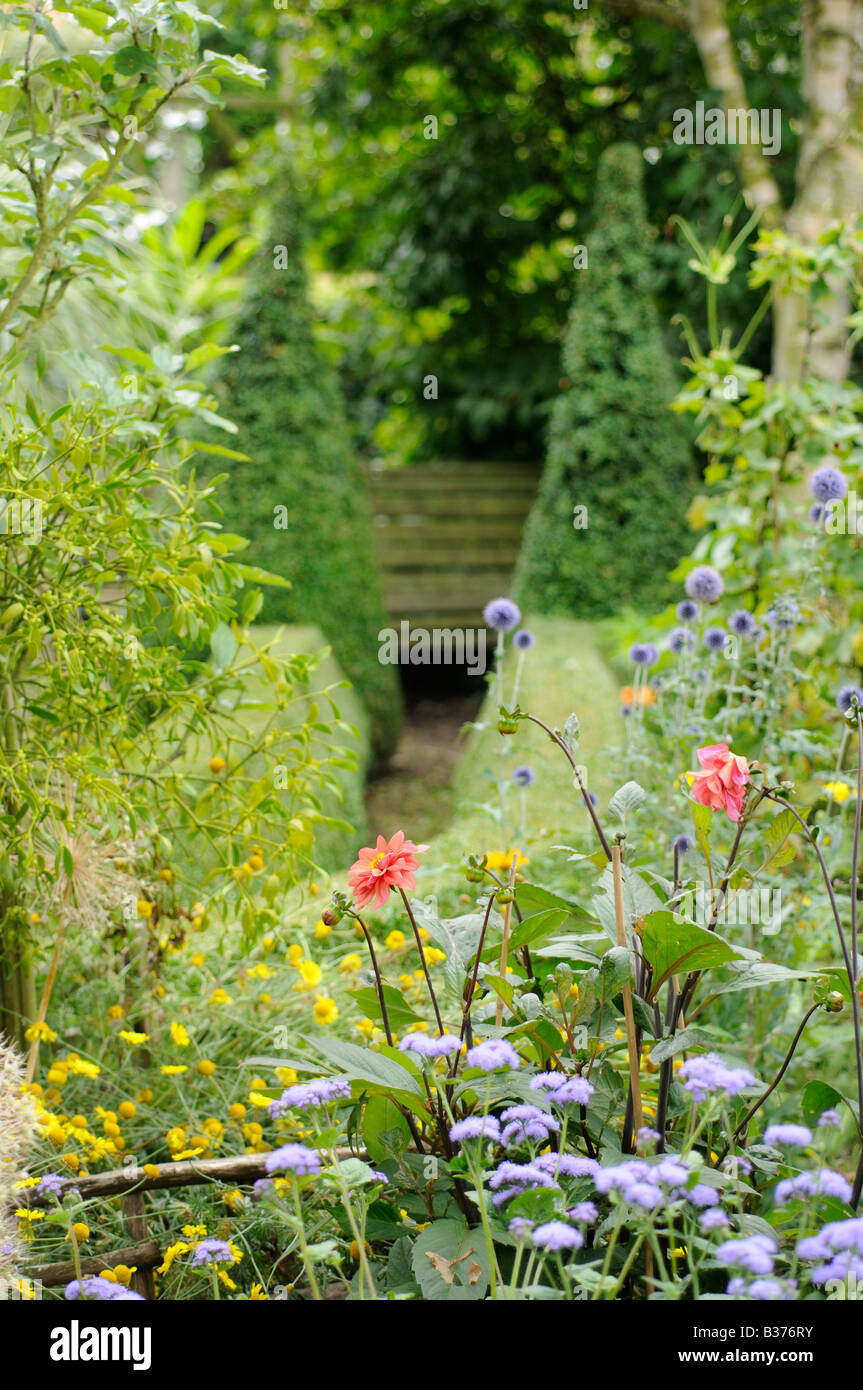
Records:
x=672, y=945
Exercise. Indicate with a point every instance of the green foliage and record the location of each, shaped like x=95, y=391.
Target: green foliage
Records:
x=614, y=446
x=284, y=397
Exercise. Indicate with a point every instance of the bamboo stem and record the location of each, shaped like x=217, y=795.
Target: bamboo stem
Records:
x=631, y=1042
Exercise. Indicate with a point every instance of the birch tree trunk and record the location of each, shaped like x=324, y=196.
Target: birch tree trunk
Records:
x=829, y=177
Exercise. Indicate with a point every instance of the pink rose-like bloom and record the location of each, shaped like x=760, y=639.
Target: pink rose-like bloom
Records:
x=723, y=781
x=388, y=865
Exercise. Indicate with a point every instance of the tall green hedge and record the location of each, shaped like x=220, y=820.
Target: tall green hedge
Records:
x=283, y=394
x=615, y=448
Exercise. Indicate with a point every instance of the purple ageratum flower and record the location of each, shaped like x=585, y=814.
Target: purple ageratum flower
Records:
x=585, y=1212
x=309, y=1095
x=51, y=1182
x=380, y=1177
x=743, y=623
x=687, y=611
x=714, y=1220
x=425, y=1046
x=502, y=615
x=716, y=639
x=103, y=1290
x=530, y=1130
x=705, y=584
x=524, y=776
x=567, y=1165
x=523, y=640
x=708, y=1074
x=792, y=1136
x=702, y=1195
x=212, y=1252
x=492, y=1054
x=511, y=1179
x=475, y=1127
x=556, y=1235
x=520, y=1227
x=845, y=695
x=576, y=1091
x=647, y=1138
x=671, y=1172
x=645, y=1195
x=680, y=638
x=643, y=654
x=826, y=1183
x=828, y=484
x=753, y=1253
x=292, y=1158
x=772, y=1290
x=548, y=1081
x=620, y=1177
x=830, y=1118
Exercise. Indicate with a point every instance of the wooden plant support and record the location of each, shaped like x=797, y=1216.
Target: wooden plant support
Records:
x=631, y=1041
x=507, y=924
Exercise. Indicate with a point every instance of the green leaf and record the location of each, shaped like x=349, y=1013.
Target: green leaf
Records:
x=702, y=818
x=401, y=1014
x=450, y=1262
x=672, y=945
x=128, y=61
x=775, y=840
x=687, y=1037
x=819, y=1096
x=758, y=974
x=630, y=797
x=383, y=1128
x=361, y=1064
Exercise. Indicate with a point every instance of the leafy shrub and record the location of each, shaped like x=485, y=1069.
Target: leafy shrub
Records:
x=283, y=395
x=614, y=447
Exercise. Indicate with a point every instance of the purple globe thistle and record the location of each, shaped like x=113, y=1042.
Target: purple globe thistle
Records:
x=687, y=611
x=820, y=512
x=828, y=484
x=492, y=1054
x=682, y=843
x=591, y=797
x=523, y=640
x=556, y=1235
x=846, y=695
x=292, y=1158
x=716, y=639
x=524, y=776
x=643, y=654
x=475, y=1127
x=743, y=623
x=791, y=1136
x=782, y=614
x=502, y=614
x=679, y=639
x=705, y=584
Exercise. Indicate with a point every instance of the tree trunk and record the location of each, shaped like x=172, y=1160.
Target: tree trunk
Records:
x=828, y=186
x=17, y=979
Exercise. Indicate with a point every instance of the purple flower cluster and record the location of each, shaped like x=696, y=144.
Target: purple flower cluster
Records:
x=527, y=1124
x=556, y=1235
x=309, y=1095
x=643, y=654
x=212, y=1252
x=845, y=695
x=502, y=615
x=716, y=639
x=840, y=1245
x=828, y=484
x=704, y=584
x=687, y=611
x=512, y=1179
x=424, y=1046
x=792, y=1136
x=104, y=1290
x=292, y=1158
x=827, y=1183
x=524, y=776
x=493, y=1054
x=51, y=1182
x=762, y=1290
x=574, y=1090
x=830, y=1118
x=680, y=638
x=743, y=623
x=568, y=1165
x=753, y=1253
x=475, y=1127
x=708, y=1074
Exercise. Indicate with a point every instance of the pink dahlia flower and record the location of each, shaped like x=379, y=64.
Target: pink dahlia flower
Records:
x=388, y=865
x=723, y=781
